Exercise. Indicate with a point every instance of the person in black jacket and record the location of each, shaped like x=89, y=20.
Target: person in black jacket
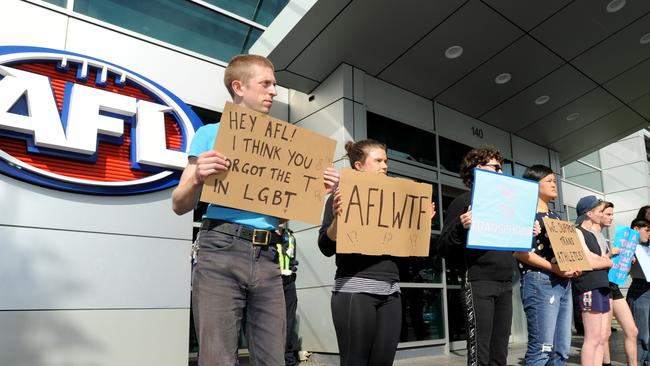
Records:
x=488, y=282
x=366, y=304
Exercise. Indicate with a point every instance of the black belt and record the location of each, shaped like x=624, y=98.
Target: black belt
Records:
x=255, y=236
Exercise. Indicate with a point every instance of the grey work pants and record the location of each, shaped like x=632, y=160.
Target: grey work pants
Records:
x=231, y=276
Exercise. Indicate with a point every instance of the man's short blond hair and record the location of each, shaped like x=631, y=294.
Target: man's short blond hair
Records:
x=239, y=69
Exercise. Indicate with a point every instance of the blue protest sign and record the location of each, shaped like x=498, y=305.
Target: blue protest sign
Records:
x=626, y=240
x=643, y=256
x=503, y=212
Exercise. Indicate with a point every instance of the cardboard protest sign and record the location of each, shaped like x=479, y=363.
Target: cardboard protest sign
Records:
x=503, y=212
x=626, y=239
x=276, y=168
x=569, y=252
x=383, y=215
x=643, y=256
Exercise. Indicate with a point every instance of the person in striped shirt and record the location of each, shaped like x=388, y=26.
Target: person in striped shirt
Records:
x=366, y=303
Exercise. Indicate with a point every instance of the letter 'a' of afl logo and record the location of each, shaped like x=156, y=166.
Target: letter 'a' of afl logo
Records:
x=76, y=123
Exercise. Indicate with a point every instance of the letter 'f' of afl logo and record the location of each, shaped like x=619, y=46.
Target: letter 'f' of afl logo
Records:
x=76, y=123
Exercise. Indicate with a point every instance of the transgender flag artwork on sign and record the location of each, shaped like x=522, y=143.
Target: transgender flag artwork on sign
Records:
x=626, y=240
x=503, y=212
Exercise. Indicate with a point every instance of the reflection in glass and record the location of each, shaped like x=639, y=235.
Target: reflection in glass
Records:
x=422, y=314
x=260, y=11
x=584, y=175
x=421, y=269
x=207, y=116
x=57, y=2
x=592, y=159
x=572, y=213
x=451, y=154
x=454, y=270
x=507, y=166
x=181, y=23
x=520, y=169
x=456, y=315
x=404, y=142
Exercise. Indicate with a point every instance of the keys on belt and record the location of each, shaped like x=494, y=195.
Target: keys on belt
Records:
x=255, y=236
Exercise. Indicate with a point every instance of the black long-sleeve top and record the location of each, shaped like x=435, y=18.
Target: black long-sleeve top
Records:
x=494, y=265
x=376, y=267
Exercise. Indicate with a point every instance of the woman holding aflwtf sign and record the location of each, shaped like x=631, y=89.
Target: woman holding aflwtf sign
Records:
x=592, y=287
x=545, y=288
x=366, y=304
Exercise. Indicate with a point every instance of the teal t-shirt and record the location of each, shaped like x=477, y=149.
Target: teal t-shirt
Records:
x=203, y=141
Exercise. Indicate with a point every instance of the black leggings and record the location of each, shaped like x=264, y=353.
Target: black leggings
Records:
x=367, y=327
x=489, y=318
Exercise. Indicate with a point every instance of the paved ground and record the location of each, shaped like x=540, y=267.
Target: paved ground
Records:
x=515, y=355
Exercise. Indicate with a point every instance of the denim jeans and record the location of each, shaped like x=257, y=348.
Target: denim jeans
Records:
x=232, y=275
x=548, y=306
x=638, y=297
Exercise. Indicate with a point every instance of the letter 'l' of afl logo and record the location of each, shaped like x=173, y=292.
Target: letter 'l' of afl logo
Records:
x=80, y=124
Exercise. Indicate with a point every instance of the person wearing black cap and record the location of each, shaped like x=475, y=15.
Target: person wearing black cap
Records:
x=592, y=287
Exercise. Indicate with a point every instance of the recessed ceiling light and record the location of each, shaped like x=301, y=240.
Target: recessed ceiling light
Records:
x=502, y=78
x=615, y=5
x=542, y=99
x=454, y=52
x=645, y=39
x=573, y=116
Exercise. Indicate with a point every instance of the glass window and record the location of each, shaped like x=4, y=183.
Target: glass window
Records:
x=507, y=166
x=454, y=274
x=571, y=213
x=421, y=269
x=422, y=314
x=456, y=315
x=592, y=159
x=404, y=142
x=451, y=154
x=181, y=23
x=61, y=3
x=519, y=170
x=260, y=11
x=584, y=175
x=207, y=116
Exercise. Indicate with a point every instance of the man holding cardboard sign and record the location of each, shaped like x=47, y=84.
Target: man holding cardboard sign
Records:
x=235, y=268
x=274, y=166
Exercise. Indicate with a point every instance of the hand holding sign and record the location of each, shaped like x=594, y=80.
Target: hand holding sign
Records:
x=569, y=253
x=625, y=241
x=382, y=215
x=274, y=167
x=502, y=212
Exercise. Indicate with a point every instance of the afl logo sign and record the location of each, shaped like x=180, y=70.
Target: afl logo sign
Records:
x=76, y=123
